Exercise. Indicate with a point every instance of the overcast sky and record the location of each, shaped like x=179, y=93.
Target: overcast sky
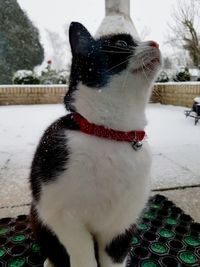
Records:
x=53, y=15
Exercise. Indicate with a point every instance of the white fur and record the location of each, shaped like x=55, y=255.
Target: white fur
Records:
x=47, y=263
x=106, y=183
x=102, y=192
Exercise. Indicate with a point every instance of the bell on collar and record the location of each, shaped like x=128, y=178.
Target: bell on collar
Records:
x=137, y=145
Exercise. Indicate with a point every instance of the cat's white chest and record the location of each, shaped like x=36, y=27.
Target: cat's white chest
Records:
x=104, y=180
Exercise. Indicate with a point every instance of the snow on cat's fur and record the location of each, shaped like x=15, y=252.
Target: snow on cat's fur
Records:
x=88, y=191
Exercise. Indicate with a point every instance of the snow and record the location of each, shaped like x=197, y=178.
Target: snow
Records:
x=168, y=127
x=179, y=83
x=23, y=74
x=197, y=99
x=22, y=126
x=175, y=143
x=117, y=24
x=194, y=72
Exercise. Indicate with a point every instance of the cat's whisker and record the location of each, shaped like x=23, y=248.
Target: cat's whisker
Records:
x=146, y=68
x=125, y=80
x=116, y=52
x=145, y=75
x=120, y=48
x=150, y=66
x=143, y=70
x=144, y=54
x=146, y=57
x=118, y=64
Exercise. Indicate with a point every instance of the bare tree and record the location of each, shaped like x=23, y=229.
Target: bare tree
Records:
x=60, y=50
x=185, y=30
x=145, y=32
x=167, y=63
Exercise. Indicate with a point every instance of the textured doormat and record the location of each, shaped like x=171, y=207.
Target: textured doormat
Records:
x=164, y=237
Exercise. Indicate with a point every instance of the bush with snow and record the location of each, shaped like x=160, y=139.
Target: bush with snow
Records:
x=63, y=77
x=25, y=77
x=162, y=77
x=47, y=76
x=52, y=76
x=182, y=76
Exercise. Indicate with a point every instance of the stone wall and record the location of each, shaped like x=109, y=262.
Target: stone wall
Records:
x=177, y=94
x=32, y=94
x=180, y=94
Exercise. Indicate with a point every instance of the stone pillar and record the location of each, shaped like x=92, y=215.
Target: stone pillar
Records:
x=117, y=19
x=117, y=6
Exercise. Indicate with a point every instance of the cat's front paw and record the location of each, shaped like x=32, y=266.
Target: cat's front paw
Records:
x=47, y=263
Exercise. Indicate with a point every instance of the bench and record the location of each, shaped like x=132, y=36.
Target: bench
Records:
x=194, y=112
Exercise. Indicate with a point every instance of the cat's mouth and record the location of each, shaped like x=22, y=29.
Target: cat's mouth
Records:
x=147, y=66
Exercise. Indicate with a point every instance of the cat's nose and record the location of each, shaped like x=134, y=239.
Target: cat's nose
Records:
x=154, y=44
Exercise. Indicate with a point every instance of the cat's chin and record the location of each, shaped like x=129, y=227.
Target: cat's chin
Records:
x=148, y=68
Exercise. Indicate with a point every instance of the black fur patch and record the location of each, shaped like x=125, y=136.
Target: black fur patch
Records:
x=49, y=243
x=119, y=247
x=96, y=251
x=51, y=154
x=94, y=61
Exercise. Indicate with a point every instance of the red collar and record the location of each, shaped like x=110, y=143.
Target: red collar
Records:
x=101, y=131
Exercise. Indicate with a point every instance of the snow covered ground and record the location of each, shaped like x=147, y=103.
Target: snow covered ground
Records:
x=175, y=143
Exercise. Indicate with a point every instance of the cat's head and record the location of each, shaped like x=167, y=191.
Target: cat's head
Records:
x=110, y=72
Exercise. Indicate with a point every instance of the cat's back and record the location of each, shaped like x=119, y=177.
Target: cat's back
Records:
x=51, y=154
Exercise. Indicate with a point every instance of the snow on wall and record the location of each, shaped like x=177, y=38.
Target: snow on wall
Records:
x=177, y=84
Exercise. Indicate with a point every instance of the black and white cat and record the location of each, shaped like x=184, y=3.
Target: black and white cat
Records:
x=89, y=190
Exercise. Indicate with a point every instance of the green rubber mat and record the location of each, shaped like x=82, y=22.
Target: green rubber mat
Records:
x=164, y=237
x=17, y=245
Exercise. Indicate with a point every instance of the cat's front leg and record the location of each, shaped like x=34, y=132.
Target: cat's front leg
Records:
x=107, y=261
x=76, y=239
x=113, y=252
x=47, y=263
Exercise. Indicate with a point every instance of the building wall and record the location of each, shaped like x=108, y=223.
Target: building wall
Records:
x=181, y=94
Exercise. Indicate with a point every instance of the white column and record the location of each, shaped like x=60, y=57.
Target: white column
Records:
x=117, y=6
x=117, y=19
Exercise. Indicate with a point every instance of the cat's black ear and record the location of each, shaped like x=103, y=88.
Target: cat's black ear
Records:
x=80, y=39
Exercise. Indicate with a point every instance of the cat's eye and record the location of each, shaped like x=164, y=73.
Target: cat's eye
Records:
x=121, y=43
